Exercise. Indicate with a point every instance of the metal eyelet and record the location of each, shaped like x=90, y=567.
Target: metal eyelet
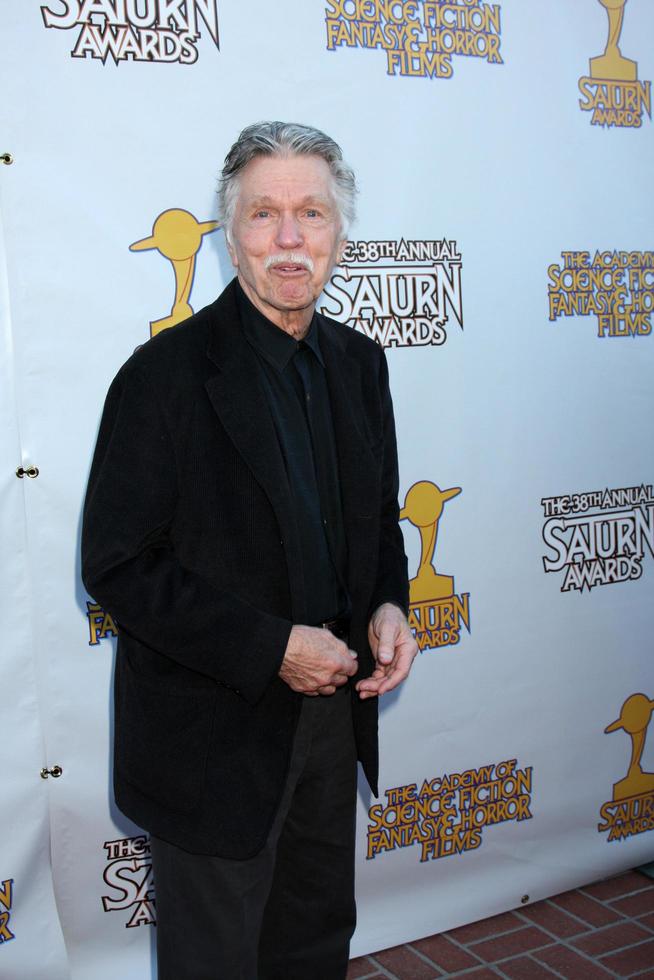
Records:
x=55, y=772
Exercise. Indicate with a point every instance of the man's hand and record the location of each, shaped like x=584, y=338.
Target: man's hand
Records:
x=316, y=662
x=393, y=648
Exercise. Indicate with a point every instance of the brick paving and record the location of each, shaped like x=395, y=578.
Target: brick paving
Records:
x=597, y=932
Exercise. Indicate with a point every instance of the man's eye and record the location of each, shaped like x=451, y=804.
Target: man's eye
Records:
x=262, y=213
x=312, y=213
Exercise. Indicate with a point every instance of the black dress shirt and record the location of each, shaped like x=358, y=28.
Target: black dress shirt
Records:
x=293, y=375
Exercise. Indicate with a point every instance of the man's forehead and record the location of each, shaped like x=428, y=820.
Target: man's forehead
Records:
x=258, y=197
x=309, y=173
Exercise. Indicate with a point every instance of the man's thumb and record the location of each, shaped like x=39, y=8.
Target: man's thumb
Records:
x=385, y=650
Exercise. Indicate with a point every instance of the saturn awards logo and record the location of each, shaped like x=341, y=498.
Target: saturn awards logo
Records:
x=177, y=236
x=600, y=537
x=437, y=615
x=6, y=903
x=399, y=293
x=631, y=809
x=420, y=37
x=612, y=91
x=135, y=30
x=128, y=874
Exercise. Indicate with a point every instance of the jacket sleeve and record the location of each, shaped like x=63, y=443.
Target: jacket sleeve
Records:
x=130, y=566
x=392, y=583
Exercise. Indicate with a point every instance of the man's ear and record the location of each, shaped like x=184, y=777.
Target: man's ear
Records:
x=341, y=249
x=231, y=250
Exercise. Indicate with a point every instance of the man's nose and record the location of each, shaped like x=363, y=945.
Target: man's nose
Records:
x=289, y=231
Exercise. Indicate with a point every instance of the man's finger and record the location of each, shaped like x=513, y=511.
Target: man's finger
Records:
x=369, y=686
x=337, y=680
x=349, y=664
x=399, y=673
x=386, y=645
x=377, y=675
x=386, y=680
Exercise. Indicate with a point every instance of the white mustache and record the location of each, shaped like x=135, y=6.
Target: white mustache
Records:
x=291, y=258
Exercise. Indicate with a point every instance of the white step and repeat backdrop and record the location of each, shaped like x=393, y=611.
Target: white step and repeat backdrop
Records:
x=504, y=256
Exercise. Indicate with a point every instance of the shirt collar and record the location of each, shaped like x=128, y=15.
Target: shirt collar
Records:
x=270, y=340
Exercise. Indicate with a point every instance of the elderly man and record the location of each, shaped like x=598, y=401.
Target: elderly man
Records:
x=241, y=525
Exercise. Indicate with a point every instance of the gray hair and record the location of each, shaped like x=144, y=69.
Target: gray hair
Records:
x=283, y=139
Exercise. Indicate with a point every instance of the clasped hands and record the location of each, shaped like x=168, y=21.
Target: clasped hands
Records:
x=316, y=662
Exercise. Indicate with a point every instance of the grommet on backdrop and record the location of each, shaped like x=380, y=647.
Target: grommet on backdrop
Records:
x=6, y=158
x=55, y=772
x=32, y=472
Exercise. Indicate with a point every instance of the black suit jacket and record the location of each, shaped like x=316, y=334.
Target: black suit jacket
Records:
x=190, y=541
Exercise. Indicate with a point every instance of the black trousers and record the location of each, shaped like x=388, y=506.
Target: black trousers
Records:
x=288, y=913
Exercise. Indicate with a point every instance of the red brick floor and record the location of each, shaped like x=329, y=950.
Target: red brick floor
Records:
x=603, y=930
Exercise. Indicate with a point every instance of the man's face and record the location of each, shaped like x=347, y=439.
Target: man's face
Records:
x=285, y=236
